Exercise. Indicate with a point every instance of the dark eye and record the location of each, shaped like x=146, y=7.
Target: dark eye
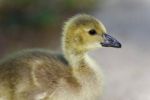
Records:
x=92, y=32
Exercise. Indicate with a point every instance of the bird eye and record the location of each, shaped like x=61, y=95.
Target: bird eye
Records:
x=92, y=32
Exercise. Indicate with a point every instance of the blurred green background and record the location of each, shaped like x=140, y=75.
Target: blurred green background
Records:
x=38, y=24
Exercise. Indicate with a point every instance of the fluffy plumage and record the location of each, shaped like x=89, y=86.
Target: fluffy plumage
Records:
x=41, y=75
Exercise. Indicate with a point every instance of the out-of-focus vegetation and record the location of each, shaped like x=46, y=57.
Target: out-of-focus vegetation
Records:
x=40, y=13
x=36, y=23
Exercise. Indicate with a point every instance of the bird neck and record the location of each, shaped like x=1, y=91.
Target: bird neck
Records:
x=74, y=57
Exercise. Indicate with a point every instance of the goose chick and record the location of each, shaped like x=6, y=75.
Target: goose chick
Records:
x=42, y=75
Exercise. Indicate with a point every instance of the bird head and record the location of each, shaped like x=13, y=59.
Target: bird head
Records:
x=83, y=32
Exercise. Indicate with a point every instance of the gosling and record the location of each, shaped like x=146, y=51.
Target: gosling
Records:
x=41, y=75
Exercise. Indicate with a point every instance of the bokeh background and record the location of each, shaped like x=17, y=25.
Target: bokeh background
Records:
x=38, y=24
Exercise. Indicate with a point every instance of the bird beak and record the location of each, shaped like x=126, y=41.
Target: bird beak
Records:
x=109, y=41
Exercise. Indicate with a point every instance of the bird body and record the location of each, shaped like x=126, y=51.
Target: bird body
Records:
x=41, y=75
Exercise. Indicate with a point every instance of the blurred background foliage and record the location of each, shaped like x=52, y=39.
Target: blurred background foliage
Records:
x=40, y=13
x=36, y=23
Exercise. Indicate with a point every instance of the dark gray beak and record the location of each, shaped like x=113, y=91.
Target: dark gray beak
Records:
x=109, y=41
